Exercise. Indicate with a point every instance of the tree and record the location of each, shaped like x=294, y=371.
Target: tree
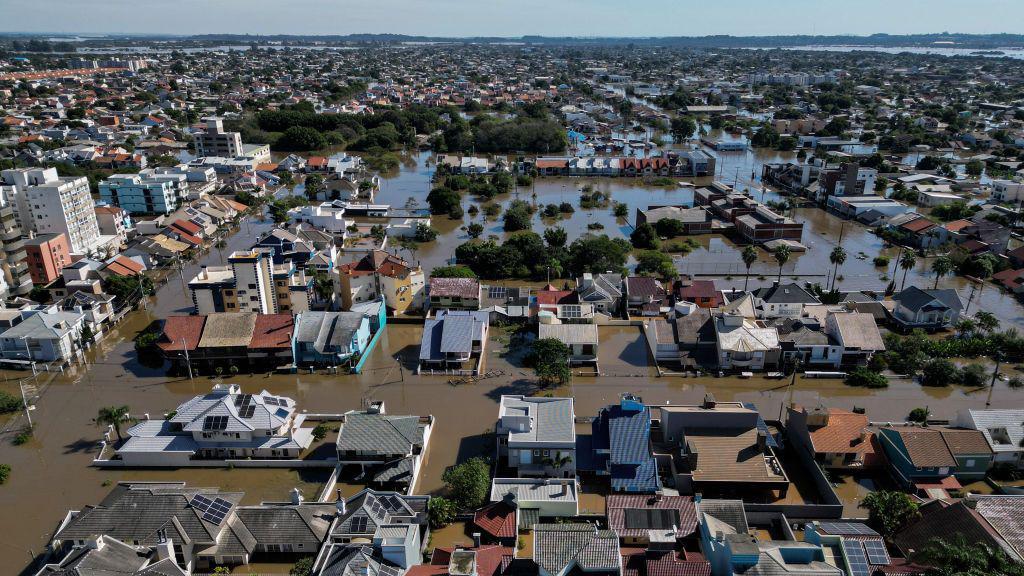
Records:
x=410, y=245
x=837, y=258
x=975, y=168
x=457, y=271
x=441, y=511
x=443, y=200
x=958, y=557
x=621, y=210
x=597, y=254
x=939, y=372
x=907, y=261
x=302, y=567
x=424, y=233
x=556, y=237
x=942, y=266
x=319, y=432
x=551, y=361
x=113, y=416
x=918, y=415
x=781, y=255
x=323, y=286
x=468, y=483
x=889, y=511
x=300, y=138
x=683, y=127
x=749, y=256
x=865, y=378
x=987, y=321
x=5, y=473
x=128, y=288
x=314, y=186
x=475, y=229
x=655, y=263
x=644, y=237
x=517, y=216
x=669, y=227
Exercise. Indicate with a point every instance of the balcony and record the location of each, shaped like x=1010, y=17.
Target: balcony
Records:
x=10, y=234
x=23, y=287
x=17, y=259
x=16, y=245
x=19, y=268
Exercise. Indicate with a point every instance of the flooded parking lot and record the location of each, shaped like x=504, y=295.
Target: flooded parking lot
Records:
x=54, y=466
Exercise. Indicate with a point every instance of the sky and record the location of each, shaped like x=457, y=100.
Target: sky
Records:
x=510, y=18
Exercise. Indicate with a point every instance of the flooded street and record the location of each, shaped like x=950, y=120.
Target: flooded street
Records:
x=54, y=466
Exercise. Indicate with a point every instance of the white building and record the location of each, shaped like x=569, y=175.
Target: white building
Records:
x=44, y=334
x=327, y=216
x=538, y=435
x=52, y=204
x=216, y=142
x=1007, y=191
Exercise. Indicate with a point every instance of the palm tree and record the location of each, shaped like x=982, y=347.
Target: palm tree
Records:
x=782, y=254
x=965, y=326
x=941, y=266
x=749, y=256
x=323, y=286
x=113, y=416
x=987, y=321
x=907, y=261
x=837, y=258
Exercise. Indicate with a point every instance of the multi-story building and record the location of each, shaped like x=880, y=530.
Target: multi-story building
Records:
x=537, y=436
x=139, y=194
x=216, y=142
x=14, y=276
x=251, y=282
x=114, y=221
x=382, y=274
x=54, y=204
x=48, y=254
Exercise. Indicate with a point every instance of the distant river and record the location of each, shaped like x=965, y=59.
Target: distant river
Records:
x=1016, y=53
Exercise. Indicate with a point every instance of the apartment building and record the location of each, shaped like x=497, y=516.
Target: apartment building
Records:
x=144, y=194
x=216, y=142
x=14, y=276
x=51, y=204
x=380, y=273
x=251, y=282
x=47, y=255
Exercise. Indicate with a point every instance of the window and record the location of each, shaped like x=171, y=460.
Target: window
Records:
x=547, y=453
x=969, y=463
x=536, y=452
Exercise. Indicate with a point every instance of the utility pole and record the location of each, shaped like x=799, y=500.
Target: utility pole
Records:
x=187, y=361
x=992, y=385
x=24, y=400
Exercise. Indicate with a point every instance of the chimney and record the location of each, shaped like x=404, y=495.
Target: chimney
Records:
x=164, y=546
x=476, y=539
x=203, y=273
x=340, y=504
x=709, y=401
x=296, y=495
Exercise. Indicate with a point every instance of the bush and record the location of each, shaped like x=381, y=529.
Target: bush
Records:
x=644, y=237
x=9, y=402
x=973, y=375
x=865, y=378
x=468, y=483
x=442, y=512
x=5, y=473
x=882, y=261
x=456, y=271
x=918, y=415
x=302, y=567
x=940, y=372
x=320, y=432
x=23, y=437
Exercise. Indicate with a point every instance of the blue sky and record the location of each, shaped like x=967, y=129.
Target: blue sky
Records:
x=514, y=17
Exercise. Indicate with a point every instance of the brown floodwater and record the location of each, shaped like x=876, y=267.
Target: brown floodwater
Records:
x=51, y=473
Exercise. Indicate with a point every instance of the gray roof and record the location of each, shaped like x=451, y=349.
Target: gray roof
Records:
x=379, y=509
x=551, y=419
x=306, y=523
x=110, y=558
x=525, y=490
x=558, y=547
x=329, y=330
x=569, y=333
x=790, y=293
x=355, y=560
x=451, y=332
x=44, y=326
x=1003, y=429
x=374, y=433
x=914, y=298
x=268, y=412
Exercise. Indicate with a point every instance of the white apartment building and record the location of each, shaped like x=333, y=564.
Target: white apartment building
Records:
x=1007, y=191
x=52, y=204
x=216, y=142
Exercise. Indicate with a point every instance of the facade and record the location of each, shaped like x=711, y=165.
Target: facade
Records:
x=927, y=309
x=45, y=334
x=935, y=459
x=216, y=142
x=380, y=274
x=745, y=344
x=223, y=424
x=251, y=283
x=140, y=194
x=619, y=447
x=15, y=278
x=387, y=449
x=834, y=438
x=114, y=221
x=48, y=203
x=454, y=294
x=537, y=436
x=1003, y=429
x=331, y=338
x=48, y=254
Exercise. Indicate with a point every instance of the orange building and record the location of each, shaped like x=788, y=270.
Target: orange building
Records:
x=48, y=254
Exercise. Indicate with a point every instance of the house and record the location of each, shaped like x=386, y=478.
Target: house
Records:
x=582, y=340
x=745, y=344
x=729, y=544
x=197, y=528
x=692, y=220
x=537, y=436
x=763, y=224
x=934, y=460
x=636, y=519
x=927, y=309
x=1011, y=279
x=1003, y=430
x=834, y=438
x=993, y=521
x=45, y=334
x=224, y=424
x=479, y=560
x=619, y=447
x=537, y=498
x=561, y=549
x=602, y=291
x=388, y=450
x=782, y=300
x=382, y=274
x=331, y=338
x=549, y=298
x=862, y=548
x=105, y=555
x=454, y=293
x=452, y=340
x=724, y=449
x=701, y=292
x=857, y=334
x=645, y=296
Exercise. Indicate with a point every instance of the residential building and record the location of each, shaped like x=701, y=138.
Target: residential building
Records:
x=380, y=274
x=537, y=498
x=140, y=194
x=388, y=450
x=1007, y=191
x=927, y=309
x=224, y=424
x=645, y=296
x=745, y=344
x=454, y=340
x=834, y=438
x=862, y=548
x=693, y=220
x=251, y=283
x=763, y=224
x=45, y=334
x=48, y=203
x=478, y=560
x=561, y=549
x=331, y=338
x=992, y=521
x=537, y=436
x=15, y=278
x=215, y=141
x=105, y=555
x=619, y=447
x=932, y=461
x=114, y=221
x=581, y=338
x=602, y=291
x=454, y=293
x=782, y=300
x=638, y=520
x=327, y=216
x=1003, y=430
x=700, y=292
x=48, y=254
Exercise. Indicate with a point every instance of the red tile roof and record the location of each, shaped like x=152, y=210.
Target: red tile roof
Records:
x=178, y=328
x=497, y=519
x=124, y=266
x=461, y=287
x=617, y=505
x=186, y=226
x=491, y=560
x=272, y=331
x=550, y=296
x=918, y=225
x=845, y=433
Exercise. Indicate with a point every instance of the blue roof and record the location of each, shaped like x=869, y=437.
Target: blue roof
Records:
x=762, y=426
x=642, y=478
x=626, y=434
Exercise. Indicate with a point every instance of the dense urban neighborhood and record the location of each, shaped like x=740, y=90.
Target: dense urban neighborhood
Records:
x=389, y=306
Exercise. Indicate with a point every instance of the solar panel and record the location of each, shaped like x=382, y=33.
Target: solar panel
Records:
x=572, y=311
x=243, y=400
x=359, y=524
x=497, y=292
x=200, y=502
x=856, y=557
x=215, y=423
x=247, y=411
x=847, y=529
x=877, y=554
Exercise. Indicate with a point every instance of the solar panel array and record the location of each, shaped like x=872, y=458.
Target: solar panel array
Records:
x=572, y=311
x=212, y=510
x=247, y=410
x=243, y=399
x=877, y=554
x=847, y=529
x=274, y=401
x=497, y=292
x=359, y=525
x=215, y=423
x=857, y=558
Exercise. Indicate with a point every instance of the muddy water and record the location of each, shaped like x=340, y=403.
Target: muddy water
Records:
x=51, y=474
